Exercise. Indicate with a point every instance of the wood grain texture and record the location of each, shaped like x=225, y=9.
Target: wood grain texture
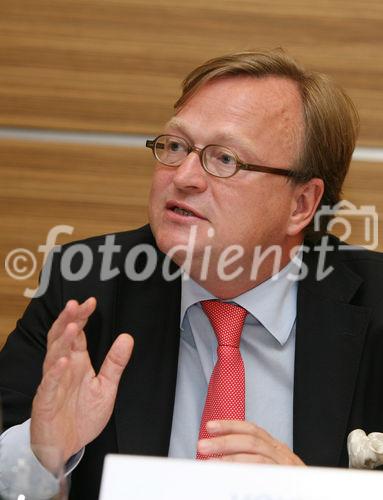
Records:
x=95, y=190
x=116, y=65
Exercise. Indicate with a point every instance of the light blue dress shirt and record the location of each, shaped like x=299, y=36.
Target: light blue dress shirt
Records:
x=267, y=348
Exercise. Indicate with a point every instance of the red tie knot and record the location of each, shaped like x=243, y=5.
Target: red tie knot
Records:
x=227, y=320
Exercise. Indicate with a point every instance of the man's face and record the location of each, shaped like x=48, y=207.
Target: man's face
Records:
x=261, y=121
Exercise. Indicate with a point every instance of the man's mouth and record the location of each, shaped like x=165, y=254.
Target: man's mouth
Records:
x=183, y=209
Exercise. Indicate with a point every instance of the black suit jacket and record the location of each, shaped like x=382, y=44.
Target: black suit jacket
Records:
x=338, y=360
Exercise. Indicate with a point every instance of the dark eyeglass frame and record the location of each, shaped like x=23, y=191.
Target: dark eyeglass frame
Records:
x=240, y=165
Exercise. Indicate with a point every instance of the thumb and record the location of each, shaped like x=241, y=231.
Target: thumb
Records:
x=117, y=359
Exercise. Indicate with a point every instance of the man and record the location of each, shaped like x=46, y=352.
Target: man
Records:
x=255, y=147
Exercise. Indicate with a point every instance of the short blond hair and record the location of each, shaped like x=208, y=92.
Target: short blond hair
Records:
x=330, y=117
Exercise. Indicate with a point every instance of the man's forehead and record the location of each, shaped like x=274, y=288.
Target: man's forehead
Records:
x=178, y=123
x=272, y=103
x=245, y=95
x=226, y=135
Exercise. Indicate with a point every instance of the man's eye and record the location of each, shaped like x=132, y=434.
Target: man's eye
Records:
x=226, y=159
x=175, y=146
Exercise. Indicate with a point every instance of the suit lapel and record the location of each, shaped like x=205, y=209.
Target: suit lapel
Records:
x=330, y=337
x=150, y=311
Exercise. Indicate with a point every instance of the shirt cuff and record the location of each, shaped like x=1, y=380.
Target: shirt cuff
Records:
x=17, y=457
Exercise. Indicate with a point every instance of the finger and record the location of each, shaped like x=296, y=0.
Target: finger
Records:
x=61, y=347
x=260, y=440
x=48, y=389
x=222, y=427
x=230, y=444
x=116, y=360
x=65, y=317
x=234, y=443
x=62, y=336
x=247, y=458
x=72, y=312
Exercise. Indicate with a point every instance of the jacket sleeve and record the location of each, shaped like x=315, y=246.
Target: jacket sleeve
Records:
x=23, y=354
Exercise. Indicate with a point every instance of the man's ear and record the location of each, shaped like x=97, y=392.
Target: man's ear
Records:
x=305, y=202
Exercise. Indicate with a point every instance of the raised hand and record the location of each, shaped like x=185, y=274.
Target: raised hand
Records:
x=73, y=403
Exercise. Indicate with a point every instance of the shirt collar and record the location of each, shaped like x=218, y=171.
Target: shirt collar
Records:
x=273, y=303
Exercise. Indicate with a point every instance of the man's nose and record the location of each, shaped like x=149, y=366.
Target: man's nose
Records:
x=190, y=175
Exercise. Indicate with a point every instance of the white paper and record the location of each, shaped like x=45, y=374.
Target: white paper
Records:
x=146, y=478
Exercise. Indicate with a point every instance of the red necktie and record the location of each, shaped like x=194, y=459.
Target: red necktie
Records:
x=226, y=392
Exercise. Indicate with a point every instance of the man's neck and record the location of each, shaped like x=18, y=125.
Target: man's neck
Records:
x=253, y=273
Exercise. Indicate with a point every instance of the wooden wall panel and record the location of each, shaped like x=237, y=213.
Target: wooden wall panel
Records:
x=96, y=190
x=116, y=65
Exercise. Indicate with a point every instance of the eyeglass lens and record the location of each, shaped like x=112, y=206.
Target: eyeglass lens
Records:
x=217, y=160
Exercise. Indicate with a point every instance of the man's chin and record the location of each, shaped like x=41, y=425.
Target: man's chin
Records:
x=169, y=244
x=179, y=246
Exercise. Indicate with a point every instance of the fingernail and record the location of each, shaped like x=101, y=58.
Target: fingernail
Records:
x=205, y=446
x=212, y=427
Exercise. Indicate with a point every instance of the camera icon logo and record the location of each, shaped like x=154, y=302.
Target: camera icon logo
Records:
x=361, y=222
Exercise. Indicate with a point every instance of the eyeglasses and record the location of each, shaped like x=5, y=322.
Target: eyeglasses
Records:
x=217, y=160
